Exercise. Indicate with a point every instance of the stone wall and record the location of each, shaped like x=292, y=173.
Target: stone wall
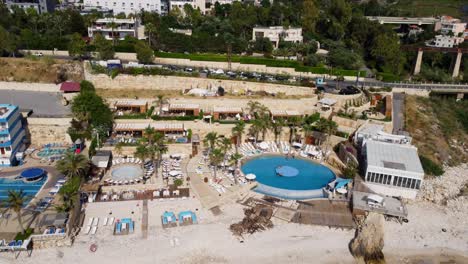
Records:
x=176, y=83
x=47, y=130
x=48, y=241
x=24, y=86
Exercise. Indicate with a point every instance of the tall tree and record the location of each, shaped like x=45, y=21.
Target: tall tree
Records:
x=151, y=146
x=77, y=46
x=73, y=165
x=103, y=47
x=235, y=158
x=144, y=52
x=238, y=131
x=210, y=140
x=310, y=14
x=15, y=201
x=216, y=157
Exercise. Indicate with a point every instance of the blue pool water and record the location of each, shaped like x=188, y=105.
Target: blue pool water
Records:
x=311, y=176
x=182, y=140
x=127, y=173
x=30, y=188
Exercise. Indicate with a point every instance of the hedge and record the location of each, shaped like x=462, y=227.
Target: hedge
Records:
x=259, y=61
x=387, y=77
x=430, y=167
x=132, y=116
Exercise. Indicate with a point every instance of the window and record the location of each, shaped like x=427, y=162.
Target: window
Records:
x=395, y=179
x=418, y=183
x=413, y=183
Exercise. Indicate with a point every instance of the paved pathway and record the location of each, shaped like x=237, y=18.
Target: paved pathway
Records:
x=144, y=220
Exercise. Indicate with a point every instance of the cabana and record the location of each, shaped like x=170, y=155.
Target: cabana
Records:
x=70, y=87
x=285, y=114
x=137, y=129
x=222, y=112
x=168, y=219
x=184, y=109
x=187, y=218
x=131, y=105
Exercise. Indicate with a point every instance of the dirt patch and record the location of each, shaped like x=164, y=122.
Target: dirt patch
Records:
x=42, y=70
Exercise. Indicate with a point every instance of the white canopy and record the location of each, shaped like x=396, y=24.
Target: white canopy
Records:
x=263, y=145
x=250, y=176
x=313, y=152
x=341, y=190
x=375, y=198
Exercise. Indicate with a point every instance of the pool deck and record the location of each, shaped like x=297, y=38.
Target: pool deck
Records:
x=325, y=212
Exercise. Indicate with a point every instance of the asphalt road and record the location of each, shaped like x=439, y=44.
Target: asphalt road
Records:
x=398, y=108
x=43, y=104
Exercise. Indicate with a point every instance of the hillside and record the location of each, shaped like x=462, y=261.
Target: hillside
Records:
x=416, y=8
x=44, y=70
x=439, y=128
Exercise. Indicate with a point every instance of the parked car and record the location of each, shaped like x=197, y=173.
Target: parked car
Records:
x=38, y=54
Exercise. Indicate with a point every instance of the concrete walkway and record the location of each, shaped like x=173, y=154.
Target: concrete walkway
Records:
x=144, y=220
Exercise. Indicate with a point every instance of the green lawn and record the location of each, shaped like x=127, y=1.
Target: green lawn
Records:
x=416, y=8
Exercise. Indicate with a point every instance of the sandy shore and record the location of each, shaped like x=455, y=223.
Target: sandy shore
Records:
x=211, y=242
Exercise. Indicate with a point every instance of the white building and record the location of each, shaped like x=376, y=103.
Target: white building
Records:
x=124, y=27
x=12, y=134
x=449, y=24
x=277, y=34
x=41, y=6
x=126, y=6
x=196, y=4
x=370, y=131
x=444, y=41
x=393, y=169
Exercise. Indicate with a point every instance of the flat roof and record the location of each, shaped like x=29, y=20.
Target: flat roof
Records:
x=70, y=87
x=391, y=206
x=328, y=101
x=285, y=113
x=116, y=20
x=370, y=129
x=226, y=109
x=6, y=110
x=130, y=102
x=143, y=126
x=183, y=106
x=402, y=157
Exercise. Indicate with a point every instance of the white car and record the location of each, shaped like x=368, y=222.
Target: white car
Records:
x=38, y=54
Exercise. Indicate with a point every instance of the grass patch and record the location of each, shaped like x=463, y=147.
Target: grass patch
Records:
x=430, y=167
x=387, y=77
x=27, y=233
x=418, y=8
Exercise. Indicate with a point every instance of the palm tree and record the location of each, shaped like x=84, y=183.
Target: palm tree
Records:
x=328, y=127
x=255, y=128
x=15, y=201
x=113, y=26
x=307, y=129
x=238, y=131
x=293, y=123
x=69, y=193
x=118, y=148
x=235, y=158
x=161, y=100
x=253, y=107
x=276, y=127
x=210, y=140
x=224, y=146
x=216, y=157
x=73, y=165
x=150, y=30
x=151, y=146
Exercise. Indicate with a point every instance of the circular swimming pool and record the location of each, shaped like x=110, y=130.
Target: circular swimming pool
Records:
x=126, y=172
x=288, y=174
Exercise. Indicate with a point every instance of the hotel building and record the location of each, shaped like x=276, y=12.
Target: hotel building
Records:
x=12, y=134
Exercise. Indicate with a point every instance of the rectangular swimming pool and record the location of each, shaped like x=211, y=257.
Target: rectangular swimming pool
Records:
x=30, y=189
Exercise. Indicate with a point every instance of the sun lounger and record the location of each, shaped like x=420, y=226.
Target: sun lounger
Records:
x=95, y=221
x=90, y=221
x=87, y=229
x=104, y=223
x=93, y=230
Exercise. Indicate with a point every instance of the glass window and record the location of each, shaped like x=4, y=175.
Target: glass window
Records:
x=395, y=179
x=403, y=182
x=418, y=183
x=400, y=180
x=413, y=183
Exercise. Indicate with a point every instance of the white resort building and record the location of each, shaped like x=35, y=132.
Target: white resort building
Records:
x=12, y=134
x=393, y=169
x=125, y=6
x=277, y=34
x=122, y=28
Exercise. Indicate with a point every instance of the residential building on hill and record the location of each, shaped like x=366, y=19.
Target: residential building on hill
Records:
x=12, y=134
x=41, y=6
x=125, y=6
x=122, y=28
x=278, y=34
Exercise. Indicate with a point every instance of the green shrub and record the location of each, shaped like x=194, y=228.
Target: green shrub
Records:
x=387, y=77
x=27, y=233
x=132, y=116
x=430, y=167
x=178, y=118
x=178, y=182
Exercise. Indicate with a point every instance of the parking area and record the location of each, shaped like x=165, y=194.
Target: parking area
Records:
x=44, y=104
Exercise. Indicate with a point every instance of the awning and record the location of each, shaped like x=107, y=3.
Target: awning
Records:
x=250, y=176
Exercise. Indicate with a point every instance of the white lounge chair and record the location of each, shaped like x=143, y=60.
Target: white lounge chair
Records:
x=95, y=221
x=111, y=221
x=93, y=230
x=90, y=221
x=87, y=229
x=104, y=223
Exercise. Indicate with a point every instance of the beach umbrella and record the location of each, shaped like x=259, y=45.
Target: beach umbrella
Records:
x=341, y=190
x=174, y=173
x=263, y=145
x=250, y=176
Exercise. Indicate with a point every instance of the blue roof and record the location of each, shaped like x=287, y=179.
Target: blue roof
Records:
x=187, y=213
x=32, y=173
